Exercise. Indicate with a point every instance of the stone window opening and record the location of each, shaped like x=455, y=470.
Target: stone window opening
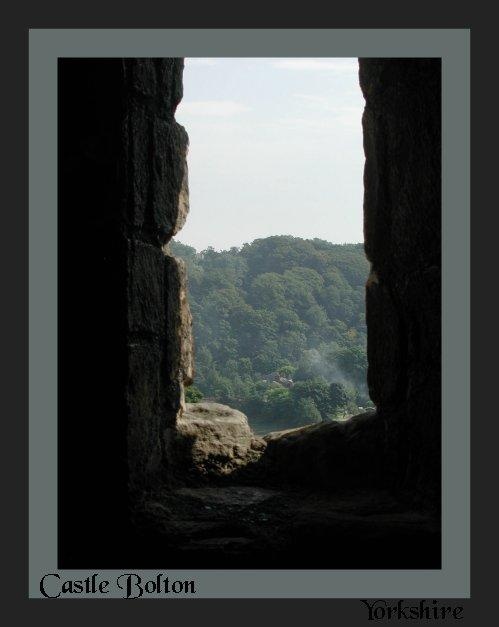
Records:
x=359, y=494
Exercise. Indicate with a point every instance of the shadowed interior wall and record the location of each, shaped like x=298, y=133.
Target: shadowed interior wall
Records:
x=122, y=314
x=402, y=230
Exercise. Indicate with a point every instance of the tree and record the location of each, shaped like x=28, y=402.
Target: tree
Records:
x=353, y=363
x=193, y=394
x=315, y=389
x=306, y=412
x=287, y=370
x=339, y=396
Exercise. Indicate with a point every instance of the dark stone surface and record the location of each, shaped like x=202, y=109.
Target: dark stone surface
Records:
x=402, y=228
x=122, y=195
x=328, y=456
x=243, y=526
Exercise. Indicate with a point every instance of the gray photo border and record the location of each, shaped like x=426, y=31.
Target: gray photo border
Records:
x=452, y=45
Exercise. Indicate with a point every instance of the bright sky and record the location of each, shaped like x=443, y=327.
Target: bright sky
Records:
x=275, y=149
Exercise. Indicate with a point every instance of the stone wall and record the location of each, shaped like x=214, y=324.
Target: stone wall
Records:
x=402, y=229
x=125, y=346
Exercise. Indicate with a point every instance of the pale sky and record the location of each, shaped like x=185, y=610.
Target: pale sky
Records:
x=275, y=149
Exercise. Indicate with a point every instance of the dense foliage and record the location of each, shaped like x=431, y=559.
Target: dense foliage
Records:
x=279, y=328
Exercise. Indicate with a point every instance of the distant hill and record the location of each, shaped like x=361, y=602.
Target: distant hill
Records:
x=279, y=328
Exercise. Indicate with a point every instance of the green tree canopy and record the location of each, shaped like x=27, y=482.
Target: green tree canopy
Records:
x=280, y=307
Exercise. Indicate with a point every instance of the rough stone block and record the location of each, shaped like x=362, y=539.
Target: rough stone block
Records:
x=146, y=289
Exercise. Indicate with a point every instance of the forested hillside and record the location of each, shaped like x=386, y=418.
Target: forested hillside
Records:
x=279, y=329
